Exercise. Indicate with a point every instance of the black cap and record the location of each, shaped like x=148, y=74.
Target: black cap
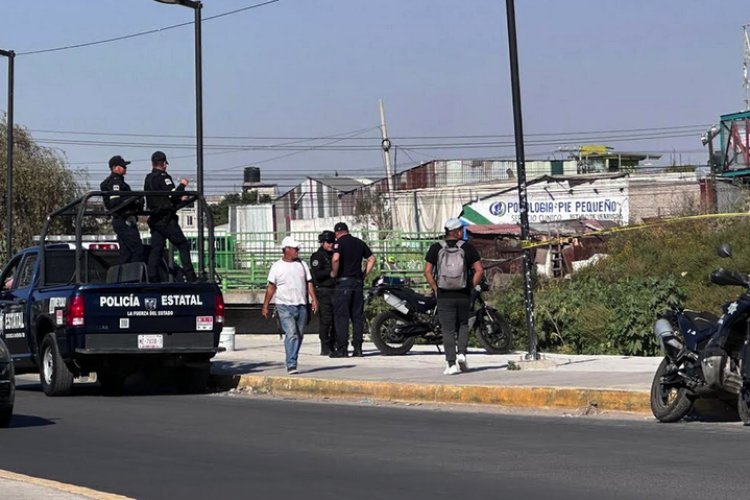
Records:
x=158, y=156
x=118, y=161
x=340, y=226
x=327, y=237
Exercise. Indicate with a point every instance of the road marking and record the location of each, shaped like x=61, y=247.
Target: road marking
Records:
x=63, y=487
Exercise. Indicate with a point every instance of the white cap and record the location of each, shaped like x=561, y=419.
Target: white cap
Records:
x=289, y=242
x=452, y=224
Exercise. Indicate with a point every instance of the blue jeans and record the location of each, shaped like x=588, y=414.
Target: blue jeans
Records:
x=293, y=320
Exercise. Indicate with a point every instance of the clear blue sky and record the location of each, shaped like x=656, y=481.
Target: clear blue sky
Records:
x=300, y=69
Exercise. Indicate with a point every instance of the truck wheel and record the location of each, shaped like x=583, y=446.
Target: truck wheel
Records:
x=193, y=379
x=56, y=378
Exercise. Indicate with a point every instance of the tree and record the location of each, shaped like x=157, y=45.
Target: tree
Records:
x=220, y=211
x=41, y=183
x=372, y=210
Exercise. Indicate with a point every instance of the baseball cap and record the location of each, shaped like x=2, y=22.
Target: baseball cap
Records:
x=159, y=156
x=327, y=237
x=289, y=242
x=452, y=224
x=340, y=226
x=118, y=161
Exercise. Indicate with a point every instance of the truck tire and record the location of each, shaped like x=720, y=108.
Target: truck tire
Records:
x=56, y=378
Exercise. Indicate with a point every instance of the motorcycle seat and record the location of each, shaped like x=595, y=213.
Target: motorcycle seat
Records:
x=423, y=303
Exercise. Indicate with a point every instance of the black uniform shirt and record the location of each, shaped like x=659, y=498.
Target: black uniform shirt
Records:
x=351, y=252
x=320, y=267
x=159, y=180
x=471, y=255
x=116, y=182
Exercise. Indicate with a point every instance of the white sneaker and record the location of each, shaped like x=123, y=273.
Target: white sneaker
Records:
x=452, y=370
x=462, y=363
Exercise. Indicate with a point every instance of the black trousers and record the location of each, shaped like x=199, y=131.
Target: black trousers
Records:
x=161, y=231
x=326, y=330
x=349, y=305
x=129, y=239
x=453, y=314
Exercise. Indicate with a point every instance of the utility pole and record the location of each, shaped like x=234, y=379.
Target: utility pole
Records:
x=745, y=65
x=515, y=82
x=386, y=145
x=9, y=173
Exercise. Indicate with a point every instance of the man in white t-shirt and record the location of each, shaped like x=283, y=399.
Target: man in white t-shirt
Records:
x=290, y=280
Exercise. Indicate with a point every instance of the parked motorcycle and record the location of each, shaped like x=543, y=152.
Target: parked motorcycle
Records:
x=413, y=315
x=705, y=356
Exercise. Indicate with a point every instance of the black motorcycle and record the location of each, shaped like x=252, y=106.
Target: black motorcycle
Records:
x=705, y=356
x=413, y=316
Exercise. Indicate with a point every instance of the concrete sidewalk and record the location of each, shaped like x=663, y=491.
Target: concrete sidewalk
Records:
x=614, y=383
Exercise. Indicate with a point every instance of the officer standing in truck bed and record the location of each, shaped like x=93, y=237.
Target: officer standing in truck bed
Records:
x=125, y=219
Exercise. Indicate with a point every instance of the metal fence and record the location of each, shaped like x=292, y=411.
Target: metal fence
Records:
x=244, y=259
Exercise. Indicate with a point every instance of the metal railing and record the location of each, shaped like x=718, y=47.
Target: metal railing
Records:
x=244, y=259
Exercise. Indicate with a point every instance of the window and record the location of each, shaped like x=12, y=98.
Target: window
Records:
x=26, y=273
x=10, y=272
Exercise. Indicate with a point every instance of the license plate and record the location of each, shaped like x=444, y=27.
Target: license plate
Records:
x=150, y=341
x=204, y=323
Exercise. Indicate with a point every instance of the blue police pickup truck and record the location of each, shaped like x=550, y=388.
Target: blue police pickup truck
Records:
x=69, y=309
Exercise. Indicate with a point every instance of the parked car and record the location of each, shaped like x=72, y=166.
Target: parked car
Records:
x=7, y=385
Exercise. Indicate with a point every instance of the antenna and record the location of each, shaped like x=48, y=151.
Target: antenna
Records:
x=745, y=64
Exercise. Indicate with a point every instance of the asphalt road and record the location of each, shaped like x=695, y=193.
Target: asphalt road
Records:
x=219, y=446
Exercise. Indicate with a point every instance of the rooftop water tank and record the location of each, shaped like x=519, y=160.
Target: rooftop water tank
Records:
x=252, y=174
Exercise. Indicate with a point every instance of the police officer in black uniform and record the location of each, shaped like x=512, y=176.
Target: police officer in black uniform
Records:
x=320, y=267
x=348, y=299
x=163, y=220
x=125, y=219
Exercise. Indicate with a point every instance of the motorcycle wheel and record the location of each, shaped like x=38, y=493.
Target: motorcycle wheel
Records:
x=743, y=406
x=493, y=333
x=388, y=342
x=669, y=403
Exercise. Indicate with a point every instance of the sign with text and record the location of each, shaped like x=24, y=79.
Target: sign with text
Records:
x=603, y=199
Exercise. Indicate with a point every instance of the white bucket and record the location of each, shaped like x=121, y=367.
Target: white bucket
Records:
x=226, y=338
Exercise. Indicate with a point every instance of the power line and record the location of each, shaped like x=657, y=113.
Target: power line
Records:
x=141, y=33
x=361, y=147
x=697, y=128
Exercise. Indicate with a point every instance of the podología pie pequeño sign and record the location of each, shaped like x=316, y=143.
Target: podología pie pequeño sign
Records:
x=603, y=199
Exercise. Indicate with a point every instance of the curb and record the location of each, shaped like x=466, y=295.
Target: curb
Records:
x=69, y=489
x=516, y=396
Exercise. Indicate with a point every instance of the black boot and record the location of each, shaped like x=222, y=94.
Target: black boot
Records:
x=339, y=352
x=325, y=349
x=358, y=352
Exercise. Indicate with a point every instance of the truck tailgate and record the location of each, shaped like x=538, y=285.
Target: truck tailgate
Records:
x=151, y=308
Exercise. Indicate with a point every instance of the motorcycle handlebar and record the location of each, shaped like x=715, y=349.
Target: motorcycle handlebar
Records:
x=724, y=277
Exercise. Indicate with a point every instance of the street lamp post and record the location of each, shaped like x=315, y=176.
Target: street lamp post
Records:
x=197, y=6
x=9, y=174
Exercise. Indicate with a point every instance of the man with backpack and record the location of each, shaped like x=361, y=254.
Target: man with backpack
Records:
x=453, y=268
